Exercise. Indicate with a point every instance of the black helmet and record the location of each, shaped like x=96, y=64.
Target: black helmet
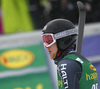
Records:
x=64, y=30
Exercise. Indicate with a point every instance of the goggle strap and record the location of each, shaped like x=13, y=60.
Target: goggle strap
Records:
x=66, y=33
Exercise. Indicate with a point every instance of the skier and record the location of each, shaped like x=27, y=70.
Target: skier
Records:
x=74, y=70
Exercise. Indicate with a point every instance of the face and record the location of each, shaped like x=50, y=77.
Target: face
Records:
x=52, y=50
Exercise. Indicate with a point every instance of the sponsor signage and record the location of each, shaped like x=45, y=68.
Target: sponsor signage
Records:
x=16, y=58
x=92, y=76
x=24, y=68
x=92, y=68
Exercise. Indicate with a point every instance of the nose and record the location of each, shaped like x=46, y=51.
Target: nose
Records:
x=45, y=46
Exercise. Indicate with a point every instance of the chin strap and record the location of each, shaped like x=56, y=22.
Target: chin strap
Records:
x=61, y=54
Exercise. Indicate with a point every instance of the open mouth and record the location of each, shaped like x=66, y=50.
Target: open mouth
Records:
x=49, y=52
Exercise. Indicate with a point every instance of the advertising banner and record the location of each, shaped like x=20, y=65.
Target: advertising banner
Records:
x=24, y=68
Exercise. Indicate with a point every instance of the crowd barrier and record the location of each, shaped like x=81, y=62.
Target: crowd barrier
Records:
x=25, y=64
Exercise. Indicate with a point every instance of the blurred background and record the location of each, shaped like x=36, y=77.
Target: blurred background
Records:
x=24, y=63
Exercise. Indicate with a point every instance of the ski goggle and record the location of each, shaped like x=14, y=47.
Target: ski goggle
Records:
x=50, y=39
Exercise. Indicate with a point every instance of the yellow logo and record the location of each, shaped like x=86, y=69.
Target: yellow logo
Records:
x=60, y=83
x=92, y=67
x=16, y=58
x=92, y=76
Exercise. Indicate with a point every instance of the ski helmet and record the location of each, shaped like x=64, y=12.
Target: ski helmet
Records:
x=64, y=32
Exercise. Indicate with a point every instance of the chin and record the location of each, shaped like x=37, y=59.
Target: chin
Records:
x=51, y=57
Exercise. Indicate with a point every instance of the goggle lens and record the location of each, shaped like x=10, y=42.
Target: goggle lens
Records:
x=48, y=39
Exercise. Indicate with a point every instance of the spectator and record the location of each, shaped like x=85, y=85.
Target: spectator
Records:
x=1, y=29
x=64, y=9
x=37, y=9
x=16, y=17
x=68, y=9
x=96, y=10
